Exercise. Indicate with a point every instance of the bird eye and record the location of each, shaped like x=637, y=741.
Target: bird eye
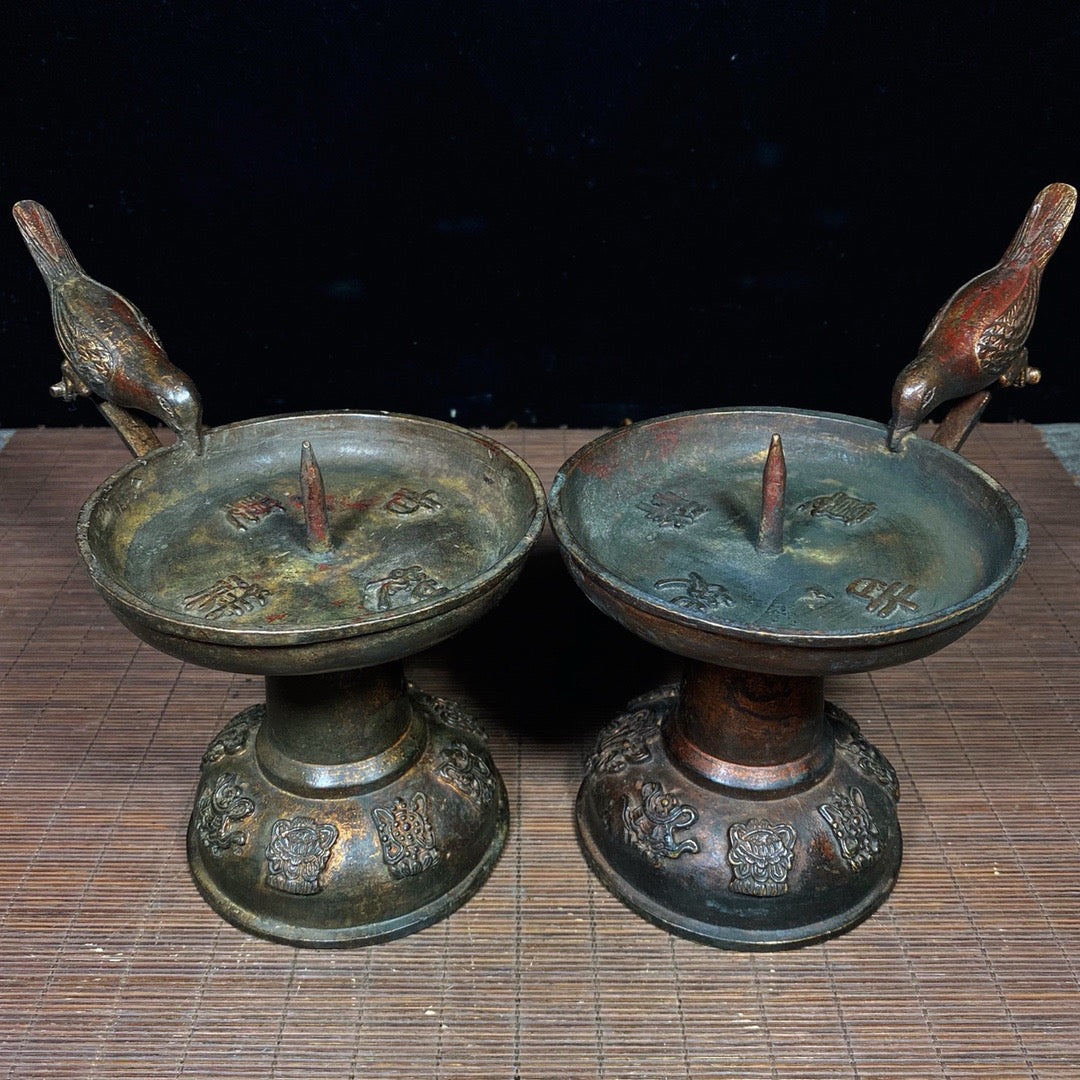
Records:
x=928, y=396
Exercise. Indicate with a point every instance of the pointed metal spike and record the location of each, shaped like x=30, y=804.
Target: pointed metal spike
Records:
x=773, y=483
x=314, y=497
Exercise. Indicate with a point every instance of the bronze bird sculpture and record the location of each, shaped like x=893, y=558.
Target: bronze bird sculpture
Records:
x=977, y=338
x=110, y=350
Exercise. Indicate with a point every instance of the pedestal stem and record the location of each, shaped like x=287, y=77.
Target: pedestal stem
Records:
x=336, y=717
x=355, y=813
x=742, y=811
x=750, y=730
x=339, y=733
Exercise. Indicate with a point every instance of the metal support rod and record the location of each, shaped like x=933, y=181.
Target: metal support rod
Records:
x=773, y=482
x=314, y=496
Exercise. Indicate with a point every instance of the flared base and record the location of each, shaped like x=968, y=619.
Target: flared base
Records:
x=736, y=868
x=407, y=841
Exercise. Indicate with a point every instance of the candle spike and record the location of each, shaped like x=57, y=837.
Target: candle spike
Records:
x=770, y=539
x=313, y=494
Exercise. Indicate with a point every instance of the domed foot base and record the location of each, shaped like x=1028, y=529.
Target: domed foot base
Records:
x=354, y=854
x=768, y=869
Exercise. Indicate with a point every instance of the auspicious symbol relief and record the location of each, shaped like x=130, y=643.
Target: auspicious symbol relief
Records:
x=405, y=585
x=798, y=601
x=228, y=596
x=452, y=714
x=298, y=851
x=233, y=737
x=855, y=832
x=667, y=508
x=251, y=509
x=625, y=741
x=408, y=841
x=839, y=505
x=695, y=593
x=884, y=597
x=761, y=855
x=217, y=812
x=651, y=826
x=850, y=741
x=407, y=501
x=663, y=698
x=468, y=772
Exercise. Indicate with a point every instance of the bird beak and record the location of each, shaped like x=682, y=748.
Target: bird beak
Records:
x=896, y=436
x=195, y=439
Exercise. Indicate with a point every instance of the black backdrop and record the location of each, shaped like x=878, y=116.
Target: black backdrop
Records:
x=560, y=213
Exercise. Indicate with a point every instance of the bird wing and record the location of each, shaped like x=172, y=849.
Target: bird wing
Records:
x=143, y=322
x=91, y=357
x=999, y=343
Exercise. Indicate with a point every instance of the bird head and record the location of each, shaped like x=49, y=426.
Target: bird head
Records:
x=915, y=395
x=179, y=405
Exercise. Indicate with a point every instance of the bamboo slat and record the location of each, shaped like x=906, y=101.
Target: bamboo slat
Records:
x=112, y=966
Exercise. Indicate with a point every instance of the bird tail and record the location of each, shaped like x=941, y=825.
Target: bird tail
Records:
x=1041, y=231
x=49, y=249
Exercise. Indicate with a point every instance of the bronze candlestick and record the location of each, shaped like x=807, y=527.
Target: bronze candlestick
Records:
x=318, y=550
x=773, y=548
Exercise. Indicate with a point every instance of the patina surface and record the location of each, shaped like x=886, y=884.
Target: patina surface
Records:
x=426, y=524
x=111, y=352
x=885, y=556
x=354, y=809
x=978, y=338
x=317, y=550
x=770, y=548
x=348, y=810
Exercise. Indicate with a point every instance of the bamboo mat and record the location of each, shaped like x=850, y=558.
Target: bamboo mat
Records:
x=112, y=966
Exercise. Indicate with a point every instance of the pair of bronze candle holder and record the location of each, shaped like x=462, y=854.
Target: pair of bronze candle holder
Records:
x=770, y=548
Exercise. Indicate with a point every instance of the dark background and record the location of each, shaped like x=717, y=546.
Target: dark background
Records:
x=561, y=213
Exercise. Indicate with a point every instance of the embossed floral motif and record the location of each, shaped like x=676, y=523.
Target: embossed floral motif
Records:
x=761, y=855
x=866, y=756
x=695, y=593
x=651, y=826
x=227, y=597
x=668, y=508
x=234, y=736
x=663, y=699
x=855, y=832
x=625, y=741
x=218, y=809
x=407, y=838
x=407, y=501
x=468, y=772
x=840, y=505
x=405, y=585
x=452, y=714
x=884, y=597
x=298, y=851
x=251, y=509
x=797, y=602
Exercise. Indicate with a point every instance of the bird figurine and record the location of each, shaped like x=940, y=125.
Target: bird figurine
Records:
x=977, y=338
x=110, y=350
